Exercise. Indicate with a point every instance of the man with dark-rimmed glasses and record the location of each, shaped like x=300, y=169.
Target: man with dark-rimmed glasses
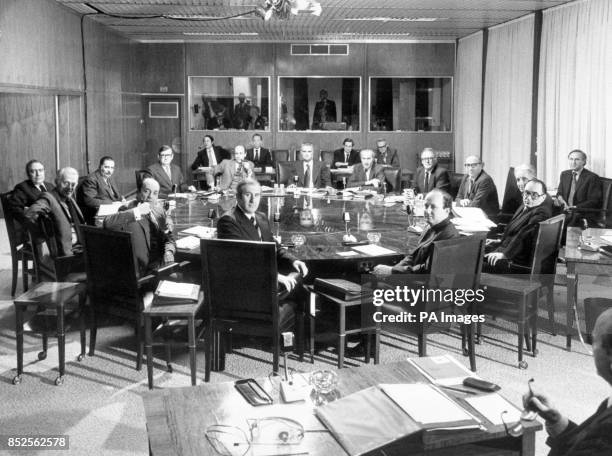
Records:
x=477, y=188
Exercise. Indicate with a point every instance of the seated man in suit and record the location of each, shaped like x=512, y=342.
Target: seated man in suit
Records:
x=150, y=227
x=168, y=176
x=518, y=241
x=244, y=222
x=580, y=191
x=98, y=188
x=311, y=173
x=438, y=205
x=346, y=156
x=28, y=191
x=367, y=173
x=233, y=171
x=430, y=175
x=594, y=436
x=59, y=205
x=209, y=156
x=260, y=156
x=386, y=155
x=477, y=188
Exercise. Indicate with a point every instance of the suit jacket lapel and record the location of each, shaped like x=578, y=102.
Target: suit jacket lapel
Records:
x=146, y=230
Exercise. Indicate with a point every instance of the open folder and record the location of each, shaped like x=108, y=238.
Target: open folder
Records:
x=380, y=415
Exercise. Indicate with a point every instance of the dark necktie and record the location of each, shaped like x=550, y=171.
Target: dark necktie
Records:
x=572, y=192
x=307, y=175
x=427, y=181
x=469, y=188
x=346, y=157
x=256, y=154
x=76, y=219
x=254, y=222
x=42, y=188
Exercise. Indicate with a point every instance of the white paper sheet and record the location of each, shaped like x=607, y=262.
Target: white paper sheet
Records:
x=606, y=238
x=204, y=232
x=188, y=243
x=491, y=406
x=373, y=250
x=109, y=209
x=348, y=253
x=175, y=289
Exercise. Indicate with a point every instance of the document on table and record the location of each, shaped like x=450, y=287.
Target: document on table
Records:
x=204, y=232
x=188, y=243
x=606, y=238
x=472, y=216
x=109, y=209
x=442, y=370
x=491, y=406
x=348, y=253
x=374, y=250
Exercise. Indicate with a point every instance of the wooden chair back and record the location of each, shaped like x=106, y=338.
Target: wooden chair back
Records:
x=327, y=156
x=280, y=155
x=285, y=170
x=455, y=183
x=547, y=246
x=16, y=233
x=141, y=174
x=393, y=176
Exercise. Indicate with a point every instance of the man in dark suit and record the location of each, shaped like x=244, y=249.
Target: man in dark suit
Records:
x=244, y=222
x=477, y=188
x=60, y=206
x=150, y=227
x=430, y=175
x=346, y=156
x=311, y=173
x=242, y=113
x=580, y=191
x=28, y=191
x=438, y=205
x=518, y=241
x=367, y=173
x=385, y=155
x=324, y=111
x=209, y=156
x=98, y=188
x=167, y=174
x=258, y=155
x=594, y=436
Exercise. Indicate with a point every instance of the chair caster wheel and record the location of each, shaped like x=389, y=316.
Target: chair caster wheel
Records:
x=42, y=355
x=522, y=365
x=169, y=367
x=81, y=357
x=59, y=381
x=17, y=380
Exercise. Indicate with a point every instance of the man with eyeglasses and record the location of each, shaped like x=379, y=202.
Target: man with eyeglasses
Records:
x=167, y=174
x=518, y=241
x=580, y=191
x=477, y=188
x=59, y=205
x=430, y=175
x=385, y=155
x=28, y=191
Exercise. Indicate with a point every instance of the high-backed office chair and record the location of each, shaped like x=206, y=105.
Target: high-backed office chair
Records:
x=456, y=265
x=455, y=183
x=241, y=295
x=141, y=174
x=393, y=176
x=606, y=215
x=21, y=250
x=327, y=156
x=512, y=199
x=284, y=172
x=280, y=155
x=114, y=285
x=516, y=298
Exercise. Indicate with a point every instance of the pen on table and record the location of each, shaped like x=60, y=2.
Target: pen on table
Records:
x=456, y=388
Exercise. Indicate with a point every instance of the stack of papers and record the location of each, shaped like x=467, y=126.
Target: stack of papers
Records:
x=442, y=370
x=606, y=238
x=203, y=232
x=188, y=243
x=109, y=209
x=374, y=250
x=471, y=219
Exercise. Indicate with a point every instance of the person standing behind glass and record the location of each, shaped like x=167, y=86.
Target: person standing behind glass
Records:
x=242, y=113
x=233, y=171
x=325, y=111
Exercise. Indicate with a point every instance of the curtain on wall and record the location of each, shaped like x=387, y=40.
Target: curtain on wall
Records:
x=575, y=88
x=506, y=131
x=468, y=98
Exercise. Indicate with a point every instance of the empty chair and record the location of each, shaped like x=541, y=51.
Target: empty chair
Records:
x=280, y=155
x=393, y=177
x=284, y=172
x=327, y=156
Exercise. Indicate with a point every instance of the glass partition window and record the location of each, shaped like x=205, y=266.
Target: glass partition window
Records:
x=411, y=104
x=225, y=103
x=317, y=103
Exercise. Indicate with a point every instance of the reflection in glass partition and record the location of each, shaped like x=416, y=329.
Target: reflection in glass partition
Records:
x=411, y=104
x=318, y=104
x=224, y=103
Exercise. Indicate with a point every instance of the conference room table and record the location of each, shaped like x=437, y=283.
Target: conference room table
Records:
x=579, y=261
x=177, y=418
x=321, y=221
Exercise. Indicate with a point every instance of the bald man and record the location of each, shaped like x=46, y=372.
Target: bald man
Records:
x=477, y=188
x=150, y=227
x=594, y=436
x=234, y=170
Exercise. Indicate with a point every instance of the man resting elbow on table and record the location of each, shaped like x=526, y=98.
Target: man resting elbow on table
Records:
x=438, y=206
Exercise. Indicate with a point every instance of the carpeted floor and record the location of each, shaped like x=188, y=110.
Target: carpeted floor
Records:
x=100, y=407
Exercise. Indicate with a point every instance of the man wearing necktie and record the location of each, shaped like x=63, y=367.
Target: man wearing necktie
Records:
x=150, y=227
x=345, y=156
x=245, y=222
x=231, y=172
x=311, y=173
x=26, y=192
x=477, y=188
x=438, y=206
x=98, y=188
x=259, y=155
x=593, y=436
x=60, y=206
x=208, y=156
x=385, y=155
x=367, y=173
x=580, y=191
x=167, y=174
x=430, y=175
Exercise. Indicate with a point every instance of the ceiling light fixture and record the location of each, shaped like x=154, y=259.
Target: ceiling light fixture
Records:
x=283, y=8
x=394, y=19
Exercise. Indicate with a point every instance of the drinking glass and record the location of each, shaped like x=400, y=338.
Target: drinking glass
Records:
x=298, y=239
x=374, y=237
